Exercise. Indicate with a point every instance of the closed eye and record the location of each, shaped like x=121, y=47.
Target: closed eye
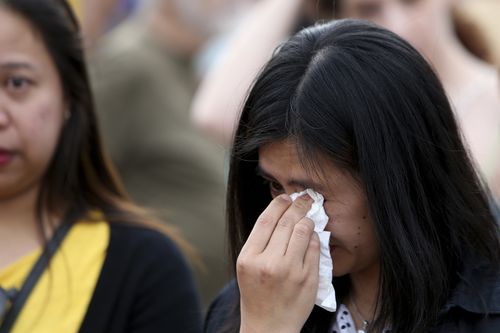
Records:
x=275, y=188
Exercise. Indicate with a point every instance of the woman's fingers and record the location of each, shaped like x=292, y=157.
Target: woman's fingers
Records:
x=280, y=238
x=300, y=239
x=277, y=269
x=265, y=225
x=311, y=260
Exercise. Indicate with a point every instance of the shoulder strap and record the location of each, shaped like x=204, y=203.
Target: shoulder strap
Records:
x=34, y=275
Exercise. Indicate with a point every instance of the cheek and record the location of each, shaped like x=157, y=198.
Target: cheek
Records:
x=351, y=227
x=42, y=128
x=350, y=221
x=350, y=231
x=357, y=246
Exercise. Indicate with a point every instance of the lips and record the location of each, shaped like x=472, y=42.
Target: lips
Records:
x=5, y=156
x=333, y=242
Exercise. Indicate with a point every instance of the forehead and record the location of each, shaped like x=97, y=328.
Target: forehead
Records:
x=281, y=160
x=279, y=153
x=18, y=39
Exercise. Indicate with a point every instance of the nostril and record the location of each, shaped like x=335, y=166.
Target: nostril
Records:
x=4, y=118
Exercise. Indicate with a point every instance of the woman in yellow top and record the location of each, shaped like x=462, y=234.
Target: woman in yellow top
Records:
x=75, y=254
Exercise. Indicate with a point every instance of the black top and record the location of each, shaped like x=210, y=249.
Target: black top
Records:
x=474, y=306
x=145, y=286
x=221, y=308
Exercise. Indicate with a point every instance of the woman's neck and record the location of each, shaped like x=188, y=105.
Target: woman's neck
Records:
x=364, y=292
x=19, y=233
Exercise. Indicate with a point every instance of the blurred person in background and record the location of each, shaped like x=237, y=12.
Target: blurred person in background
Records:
x=217, y=103
x=484, y=14
x=98, y=16
x=456, y=50
x=144, y=83
x=432, y=26
x=76, y=255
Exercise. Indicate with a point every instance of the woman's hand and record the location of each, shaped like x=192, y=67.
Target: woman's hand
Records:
x=278, y=268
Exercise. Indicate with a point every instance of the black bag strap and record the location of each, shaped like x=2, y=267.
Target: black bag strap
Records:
x=34, y=275
x=6, y=298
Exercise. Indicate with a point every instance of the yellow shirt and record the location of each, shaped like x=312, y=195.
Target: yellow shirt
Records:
x=60, y=299
x=77, y=7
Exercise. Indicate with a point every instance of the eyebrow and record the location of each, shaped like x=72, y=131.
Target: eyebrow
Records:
x=304, y=183
x=17, y=65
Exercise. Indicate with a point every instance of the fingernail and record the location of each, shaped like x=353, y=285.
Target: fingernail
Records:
x=286, y=197
x=305, y=197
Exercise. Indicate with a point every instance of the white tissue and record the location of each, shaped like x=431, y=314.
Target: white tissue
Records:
x=325, y=297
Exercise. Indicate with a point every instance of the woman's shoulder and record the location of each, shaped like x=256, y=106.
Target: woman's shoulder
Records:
x=478, y=287
x=142, y=238
x=146, y=273
x=474, y=305
x=128, y=237
x=153, y=255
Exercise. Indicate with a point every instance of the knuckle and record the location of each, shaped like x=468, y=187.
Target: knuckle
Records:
x=298, y=279
x=303, y=230
x=267, y=272
x=314, y=243
x=307, y=221
x=271, y=271
x=285, y=222
x=264, y=220
x=242, y=265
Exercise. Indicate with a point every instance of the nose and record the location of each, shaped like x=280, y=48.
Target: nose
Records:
x=4, y=116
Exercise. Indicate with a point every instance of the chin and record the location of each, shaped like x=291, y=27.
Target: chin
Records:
x=337, y=273
x=339, y=270
x=339, y=265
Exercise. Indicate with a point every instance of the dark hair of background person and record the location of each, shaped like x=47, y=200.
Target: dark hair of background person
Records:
x=79, y=178
x=366, y=100
x=467, y=31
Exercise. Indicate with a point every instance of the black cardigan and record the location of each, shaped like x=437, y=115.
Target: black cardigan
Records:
x=145, y=286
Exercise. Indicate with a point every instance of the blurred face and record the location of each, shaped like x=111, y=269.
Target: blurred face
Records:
x=353, y=244
x=210, y=16
x=421, y=22
x=31, y=106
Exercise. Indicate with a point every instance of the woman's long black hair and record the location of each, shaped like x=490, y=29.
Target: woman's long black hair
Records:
x=366, y=99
